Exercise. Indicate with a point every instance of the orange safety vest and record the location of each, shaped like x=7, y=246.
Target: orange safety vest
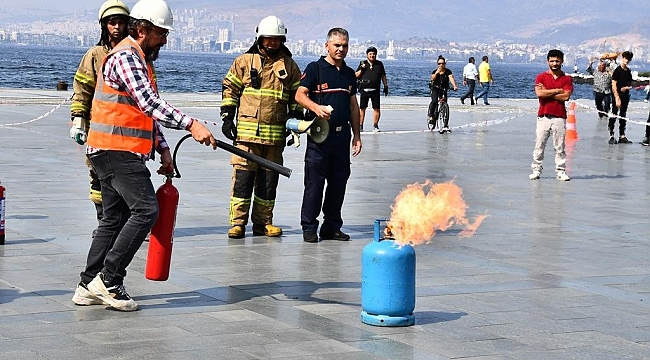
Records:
x=118, y=123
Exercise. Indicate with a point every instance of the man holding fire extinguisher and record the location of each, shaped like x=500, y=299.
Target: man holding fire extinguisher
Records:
x=113, y=19
x=122, y=136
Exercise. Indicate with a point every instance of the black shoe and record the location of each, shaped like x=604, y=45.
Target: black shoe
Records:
x=612, y=141
x=462, y=101
x=486, y=103
x=624, y=140
x=309, y=236
x=337, y=235
x=645, y=142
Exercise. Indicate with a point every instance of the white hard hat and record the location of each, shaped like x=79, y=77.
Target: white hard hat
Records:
x=155, y=11
x=271, y=26
x=112, y=7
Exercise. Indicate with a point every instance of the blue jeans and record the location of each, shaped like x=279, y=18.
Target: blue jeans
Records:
x=470, y=92
x=130, y=209
x=484, y=92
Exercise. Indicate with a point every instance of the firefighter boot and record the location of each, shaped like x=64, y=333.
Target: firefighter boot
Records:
x=237, y=232
x=267, y=230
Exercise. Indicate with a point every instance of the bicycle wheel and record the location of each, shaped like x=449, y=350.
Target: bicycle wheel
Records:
x=443, y=115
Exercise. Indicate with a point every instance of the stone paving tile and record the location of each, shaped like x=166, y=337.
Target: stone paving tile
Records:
x=394, y=350
x=442, y=345
x=576, y=353
x=298, y=349
x=602, y=341
x=367, y=355
x=217, y=354
x=215, y=342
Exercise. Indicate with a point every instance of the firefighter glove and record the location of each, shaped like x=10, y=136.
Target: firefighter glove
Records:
x=229, y=129
x=79, y=130
x=385, y=90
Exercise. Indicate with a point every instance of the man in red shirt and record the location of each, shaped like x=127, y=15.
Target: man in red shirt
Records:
x=553, y=88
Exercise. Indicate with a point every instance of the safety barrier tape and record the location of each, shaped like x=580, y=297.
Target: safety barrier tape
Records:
x=470, y=125
x=40, y=117
x=644, y=123
x=459, y=127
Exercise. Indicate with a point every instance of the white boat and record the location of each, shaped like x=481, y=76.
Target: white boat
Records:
x=390, y=52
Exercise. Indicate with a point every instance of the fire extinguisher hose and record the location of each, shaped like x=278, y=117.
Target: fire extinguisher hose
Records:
x=265, y=163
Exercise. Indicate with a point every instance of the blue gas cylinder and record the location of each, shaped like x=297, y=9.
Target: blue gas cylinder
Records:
x=387, y=282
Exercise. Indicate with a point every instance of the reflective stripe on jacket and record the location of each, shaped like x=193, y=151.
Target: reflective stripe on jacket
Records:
x=117, y=121
x=85, y=80
x=262, y=111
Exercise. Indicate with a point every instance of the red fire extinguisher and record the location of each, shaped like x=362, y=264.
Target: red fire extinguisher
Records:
x=159, y=255
x=2, y=215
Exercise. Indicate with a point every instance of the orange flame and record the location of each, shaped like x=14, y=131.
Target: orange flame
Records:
x=417, y=215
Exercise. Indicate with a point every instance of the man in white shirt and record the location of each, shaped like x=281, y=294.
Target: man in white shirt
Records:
x=470, y=75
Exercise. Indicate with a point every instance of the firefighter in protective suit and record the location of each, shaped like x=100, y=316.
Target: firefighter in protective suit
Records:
x=259, y=91
x=113, y=19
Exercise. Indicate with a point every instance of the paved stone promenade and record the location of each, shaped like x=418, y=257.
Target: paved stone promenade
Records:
x=558, y=270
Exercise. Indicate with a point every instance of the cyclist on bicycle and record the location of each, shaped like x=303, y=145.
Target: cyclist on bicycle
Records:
x=439, y=85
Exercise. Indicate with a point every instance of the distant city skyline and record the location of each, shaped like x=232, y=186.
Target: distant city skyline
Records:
x=570, y=22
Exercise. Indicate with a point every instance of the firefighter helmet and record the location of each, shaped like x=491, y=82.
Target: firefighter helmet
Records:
x=112, y=7
x=155, y=11
x=271, y=26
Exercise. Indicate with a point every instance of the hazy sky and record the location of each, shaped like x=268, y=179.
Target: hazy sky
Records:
x=62, y=5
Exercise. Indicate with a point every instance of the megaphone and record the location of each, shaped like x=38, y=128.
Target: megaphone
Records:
x=318, y=129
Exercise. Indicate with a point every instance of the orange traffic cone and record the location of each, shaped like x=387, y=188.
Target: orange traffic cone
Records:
x=571, y=131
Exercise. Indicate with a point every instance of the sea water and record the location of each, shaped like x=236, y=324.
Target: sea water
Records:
x=40, y=67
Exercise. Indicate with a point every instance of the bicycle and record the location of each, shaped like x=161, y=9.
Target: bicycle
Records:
x=441, y=116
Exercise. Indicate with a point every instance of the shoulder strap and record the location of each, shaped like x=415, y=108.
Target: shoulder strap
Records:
x=320, y=94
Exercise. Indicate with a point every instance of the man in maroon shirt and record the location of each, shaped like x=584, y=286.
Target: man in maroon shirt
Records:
x=553, y=88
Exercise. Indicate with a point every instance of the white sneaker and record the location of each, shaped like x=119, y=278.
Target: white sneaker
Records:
x=535, y=175
x=561, y=175
x=376, y=129
x=115, y=296
x=645, y=100
x=83, y=297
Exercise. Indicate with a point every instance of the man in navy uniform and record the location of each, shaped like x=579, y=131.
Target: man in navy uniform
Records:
x=329, y=81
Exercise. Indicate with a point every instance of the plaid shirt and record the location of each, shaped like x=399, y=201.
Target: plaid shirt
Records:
x=602, y=82
x=125, y=71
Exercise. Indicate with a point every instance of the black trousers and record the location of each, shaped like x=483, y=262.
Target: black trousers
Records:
x=436, y=94
x=130, y=209
x=326, y=163
x=603, y=102
x=622, y=112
